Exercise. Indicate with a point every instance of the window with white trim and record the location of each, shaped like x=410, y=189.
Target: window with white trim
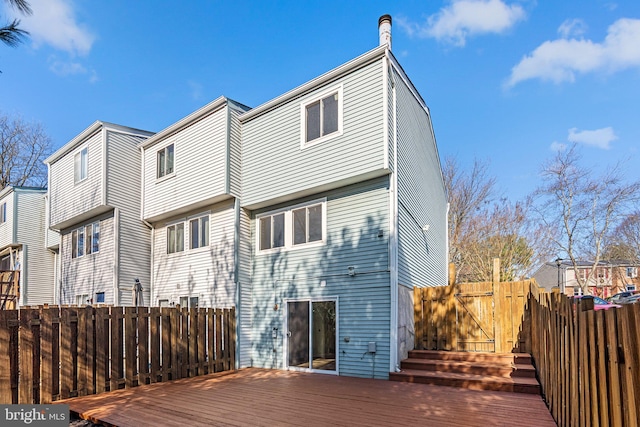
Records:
x=199, y=232
x=3, y=213
x=632, y=272
x=322, y=117
x=82, y=299
x=293, y=227
x=77, y=243
x=80, y=165
x=175, y=238
x=92, y=238
x=165, y=161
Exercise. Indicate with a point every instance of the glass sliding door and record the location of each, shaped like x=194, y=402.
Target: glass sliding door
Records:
x=312, y=335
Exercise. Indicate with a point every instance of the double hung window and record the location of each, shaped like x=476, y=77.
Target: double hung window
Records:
x=3, y=213
x=165, y=161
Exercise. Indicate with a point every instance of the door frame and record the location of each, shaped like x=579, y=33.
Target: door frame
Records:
x=285, y=353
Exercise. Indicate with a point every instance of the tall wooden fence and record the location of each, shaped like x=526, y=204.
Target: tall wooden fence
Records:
x=485, y=316
x=588, y=362
x=53, y=353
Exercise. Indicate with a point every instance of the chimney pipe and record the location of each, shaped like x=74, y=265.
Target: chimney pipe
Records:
x=384, y=29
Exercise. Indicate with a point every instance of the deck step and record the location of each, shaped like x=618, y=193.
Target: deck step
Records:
x=470, y=381
x=516, y=358
x=512, y=372
x=490, y=369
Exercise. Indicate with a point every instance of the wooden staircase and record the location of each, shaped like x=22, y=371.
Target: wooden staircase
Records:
x=511, y=372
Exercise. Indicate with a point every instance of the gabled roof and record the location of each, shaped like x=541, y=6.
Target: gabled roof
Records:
x=88, y=132
x=192, y=118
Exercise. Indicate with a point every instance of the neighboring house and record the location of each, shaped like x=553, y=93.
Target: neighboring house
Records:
x=191, y=188
x=23, y=243
x=343, y=189
x=94, y=202
x=609, y=277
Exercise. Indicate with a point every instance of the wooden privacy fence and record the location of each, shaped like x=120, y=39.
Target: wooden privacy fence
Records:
x=588, y=362
x=485, y=316
x=52, y=353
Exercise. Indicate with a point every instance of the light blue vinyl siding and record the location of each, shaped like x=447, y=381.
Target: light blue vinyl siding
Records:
x=357, y=235
x=275, y=168
x=421, y=196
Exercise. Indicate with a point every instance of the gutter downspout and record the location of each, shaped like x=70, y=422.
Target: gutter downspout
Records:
x=149, y=225
x=393, y=232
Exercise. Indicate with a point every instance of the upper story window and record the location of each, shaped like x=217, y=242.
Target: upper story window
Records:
x=100, y=297
x=199, y=232
x=3, y=213
x=80, y=165
x=322, y=117
x=632, y=272
x=175, y=238
x=293, y=227
x=165, y=161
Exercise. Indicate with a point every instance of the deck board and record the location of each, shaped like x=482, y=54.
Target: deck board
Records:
x=261, y=397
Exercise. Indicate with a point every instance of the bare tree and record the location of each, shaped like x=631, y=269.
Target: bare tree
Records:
x=11, y=34
x=581, y=207
x=623, y=242
x=468, y=193
x=23, y=148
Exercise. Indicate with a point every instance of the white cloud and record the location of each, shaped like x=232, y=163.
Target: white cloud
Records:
x=465, y=18
x=560, y=60
x=53, y=22
x=600, y=138
x=557, y=146
x=572, y=28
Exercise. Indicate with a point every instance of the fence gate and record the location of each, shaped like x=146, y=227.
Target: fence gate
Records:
x=483, y=316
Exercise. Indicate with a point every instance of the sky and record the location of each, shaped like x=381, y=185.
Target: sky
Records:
x=507, y=82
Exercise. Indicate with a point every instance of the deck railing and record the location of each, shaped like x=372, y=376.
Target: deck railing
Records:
x=52, y=353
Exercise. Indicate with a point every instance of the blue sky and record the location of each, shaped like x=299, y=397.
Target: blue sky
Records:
x=506, y=81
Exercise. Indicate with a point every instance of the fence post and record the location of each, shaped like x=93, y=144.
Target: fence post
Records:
x=418, y=317
x=498, y=308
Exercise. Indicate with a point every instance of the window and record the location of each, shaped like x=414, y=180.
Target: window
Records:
x=307, y=224
x=82, y=299
x=163, y=303
x=322, y=117
x=272, y=231
x=3, y=213
x=77, y=243
x=175, y=238
x=199, y=232
x=631, y=288
x=165, y=161
x=296, y=226
x=80, y=165
x=99, y=297
x=632, y=272
x=92, y=233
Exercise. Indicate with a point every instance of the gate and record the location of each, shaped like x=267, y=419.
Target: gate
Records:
x=484, y=316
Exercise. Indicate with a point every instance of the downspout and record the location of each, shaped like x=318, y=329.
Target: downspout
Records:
x=393, y=232
x=149, y=225
x=236, y=275
x=116, y=250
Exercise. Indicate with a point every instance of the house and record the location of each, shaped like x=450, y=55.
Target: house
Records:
x=94, y=202
x=191, y=185
x=608, y=278
x=24, y=239
x=347, y=212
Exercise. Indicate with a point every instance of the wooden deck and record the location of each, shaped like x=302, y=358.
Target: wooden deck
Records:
x=260, y=397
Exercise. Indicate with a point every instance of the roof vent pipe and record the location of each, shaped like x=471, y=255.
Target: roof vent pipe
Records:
x=384, y=29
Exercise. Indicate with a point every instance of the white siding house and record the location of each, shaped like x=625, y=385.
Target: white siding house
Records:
x=23, y=243
x=94, y=198
x=343, y=190
x=191, y=185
